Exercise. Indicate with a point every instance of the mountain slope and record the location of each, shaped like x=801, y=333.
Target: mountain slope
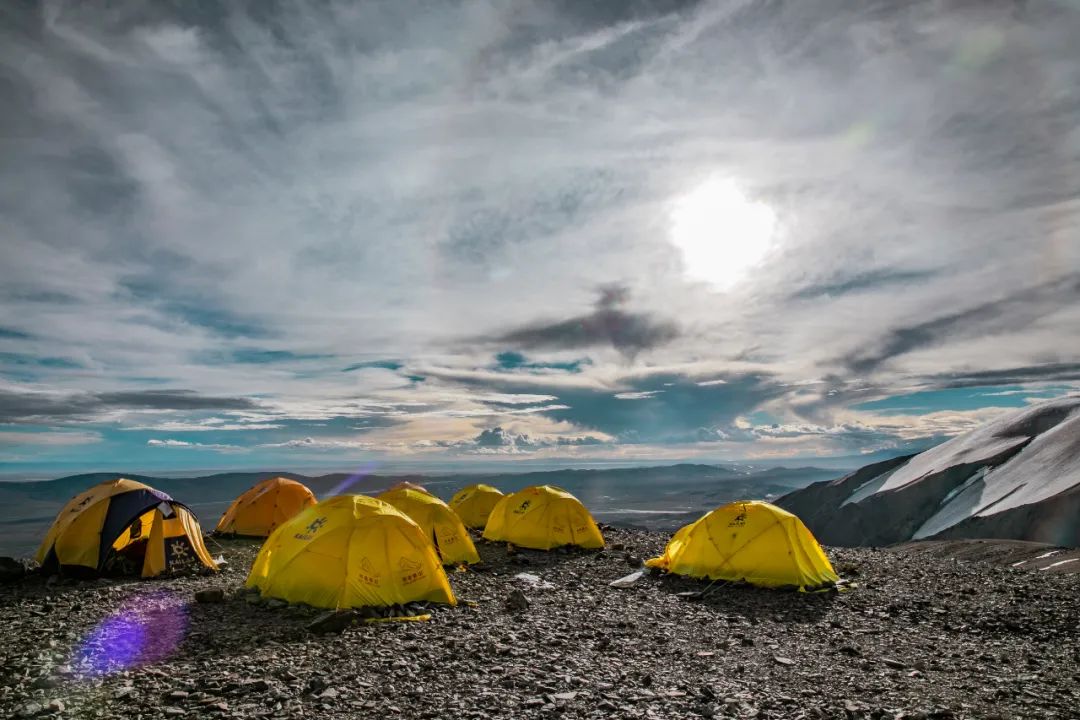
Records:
x=1016, y=477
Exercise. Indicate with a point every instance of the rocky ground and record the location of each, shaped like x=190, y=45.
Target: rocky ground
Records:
x=917, y=637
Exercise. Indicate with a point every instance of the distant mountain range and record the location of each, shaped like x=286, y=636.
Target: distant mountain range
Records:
x=652, y=497
x=1017, y=477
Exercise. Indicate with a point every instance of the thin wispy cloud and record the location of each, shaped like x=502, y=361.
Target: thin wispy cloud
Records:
x=337, y=229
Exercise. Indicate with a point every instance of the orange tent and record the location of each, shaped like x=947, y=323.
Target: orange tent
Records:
x=265, y=506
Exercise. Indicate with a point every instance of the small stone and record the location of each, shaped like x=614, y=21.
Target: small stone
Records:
x=329, y=693
x=30, y=710
x=894, y=664
x=853, y=707
x=56, y=706
x=174, y=711
x=781, y=660
x=276, y=603
x=516, y=601
x=565, y=696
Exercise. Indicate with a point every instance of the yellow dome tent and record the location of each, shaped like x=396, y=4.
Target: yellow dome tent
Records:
x=406, y=485
x=265, y=506
x=543, y=517
x=124, y=526
x=438, y=522
x=474, y=503
x=350, y=551
x=749, y=541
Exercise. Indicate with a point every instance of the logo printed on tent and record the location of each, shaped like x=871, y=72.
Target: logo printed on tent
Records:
x=311, y=529
x=523, y=507
x=368, y=573
x=412, y=570
x=178, y=555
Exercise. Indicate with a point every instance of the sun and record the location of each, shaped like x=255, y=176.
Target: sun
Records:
x=721, y=232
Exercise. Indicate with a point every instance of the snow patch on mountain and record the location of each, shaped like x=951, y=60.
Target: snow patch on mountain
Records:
x=1017, y=476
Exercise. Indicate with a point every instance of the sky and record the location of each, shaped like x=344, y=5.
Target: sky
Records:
x=274, y=234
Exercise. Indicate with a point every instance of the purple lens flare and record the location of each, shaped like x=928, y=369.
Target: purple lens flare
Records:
x=356, y=477
x=145, y=629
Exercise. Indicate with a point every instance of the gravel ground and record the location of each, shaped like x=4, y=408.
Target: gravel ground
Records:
x=917, y=637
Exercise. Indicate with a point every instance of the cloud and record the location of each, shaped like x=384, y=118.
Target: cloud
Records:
x=311, y=443
x=996, y=317
x=1008, y=376
x=58, y=438
x=374, y=365
x=316, y=217
x=627, y=332
x=206, y=425
x=640, y=395
x=36, y=407
x=504, y=441
x=11, y=334
x=870, y=281
x=186, y=445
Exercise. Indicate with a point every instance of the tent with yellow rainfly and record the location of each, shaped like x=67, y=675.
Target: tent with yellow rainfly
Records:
x=438, y=522
x=474, y=503
x=750, y=541
x=124, y=527
x=406, y=485
x=543, y=517
x=350, y=551
x=265, y=506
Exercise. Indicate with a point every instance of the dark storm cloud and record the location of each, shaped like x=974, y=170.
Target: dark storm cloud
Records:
x=1004, y=315
x=608, y=324
x=27, y=407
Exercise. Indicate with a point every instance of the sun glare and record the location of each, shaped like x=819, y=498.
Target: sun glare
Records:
x=721, y=233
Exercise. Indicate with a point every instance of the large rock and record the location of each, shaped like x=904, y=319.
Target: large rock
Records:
x=332, y=621
x=12, y=569
x=1016, y=477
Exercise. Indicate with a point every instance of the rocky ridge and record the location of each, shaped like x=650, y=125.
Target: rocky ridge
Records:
x=1016, y=477
x=540, y=635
